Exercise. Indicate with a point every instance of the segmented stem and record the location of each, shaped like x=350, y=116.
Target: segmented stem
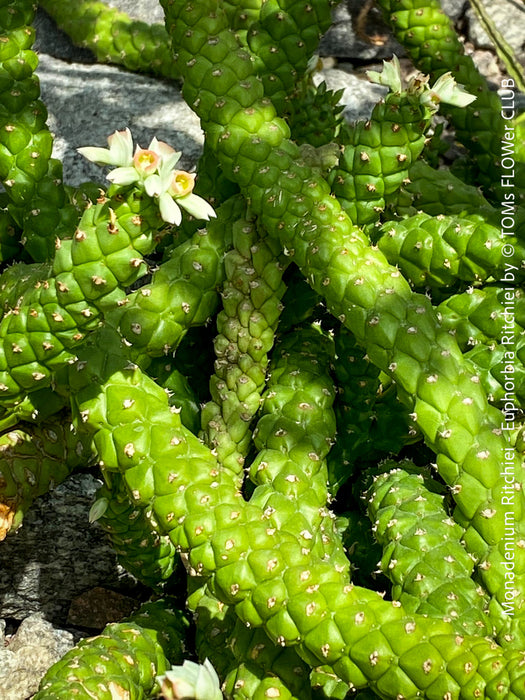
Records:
x=251, y=307
x=398, y=328
x=113, y=36
x=123, y=661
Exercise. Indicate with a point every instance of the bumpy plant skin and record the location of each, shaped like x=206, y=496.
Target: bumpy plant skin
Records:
x=50, y=309
x=182, y=293
x=479, y=319
x=398, y=329
x=251, y=307
x=432, y=43
x=241, y=15
x=282, y=41
x=437, y=251
x=377, y=154
x=113, y=36
x=491, y=362
x=478, y=315
x=438, y=191
x=123, y=661
x=248, y=661
x=422, y=552
x=280, y=582
x=33, y=460
x=133, y=532
x=270, y=563
x=32, y=179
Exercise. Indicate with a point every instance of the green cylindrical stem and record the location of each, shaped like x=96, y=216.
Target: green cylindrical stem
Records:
x=32, y=179
x=398, y=328
x=431, y=41
x=123, y=661
x=248, y=682
x=271, y=576
x=502, y=373
x=282, y=40
x=113, y=36
x=488, y=324
x=251, y=307
x=248, y=661
x=133, y=532
x=300, y=387
x=183, y=291
x=437, y=251
x=377, y=154
x=294, y=434
x=440, y=192
x=483, y=315
x=49, y=309
x=422, y=552
x=34, y=459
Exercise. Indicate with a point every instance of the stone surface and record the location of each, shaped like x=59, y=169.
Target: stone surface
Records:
x=87, y=103
x=30, y=652
x=359, y=95
x=509, y=19
x=146, y=10
x=98, y=607
x=56, y=555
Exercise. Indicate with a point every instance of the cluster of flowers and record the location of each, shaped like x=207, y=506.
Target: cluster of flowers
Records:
x=152, y=169
x=445, y=89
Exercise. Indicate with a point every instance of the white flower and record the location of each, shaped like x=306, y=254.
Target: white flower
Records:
x=120, y=150
x=445, y=89
x=152, y=169
x=390, y=76
x=174, y=189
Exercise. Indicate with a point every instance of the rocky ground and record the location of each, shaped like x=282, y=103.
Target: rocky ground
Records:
x=59, y=580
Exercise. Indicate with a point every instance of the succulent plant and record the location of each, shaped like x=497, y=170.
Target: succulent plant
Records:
x=361, y=304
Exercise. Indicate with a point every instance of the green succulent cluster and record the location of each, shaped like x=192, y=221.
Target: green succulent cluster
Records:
x=264, y=386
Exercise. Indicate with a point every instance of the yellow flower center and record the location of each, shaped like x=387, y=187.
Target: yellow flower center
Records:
x=181, y=183
x=145, y=161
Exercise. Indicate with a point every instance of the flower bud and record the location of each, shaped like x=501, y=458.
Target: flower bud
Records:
x=145, y=161
x=181, y=183
x=191, y=681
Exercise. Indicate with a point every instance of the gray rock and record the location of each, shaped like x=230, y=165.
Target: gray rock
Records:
x=88, y=103
x=147, y=10
x=56, y=555
x=509, y=19
x=454, y=8
x=360, y=95
x=8, y=664
x=35, y=630
x=31, y=651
